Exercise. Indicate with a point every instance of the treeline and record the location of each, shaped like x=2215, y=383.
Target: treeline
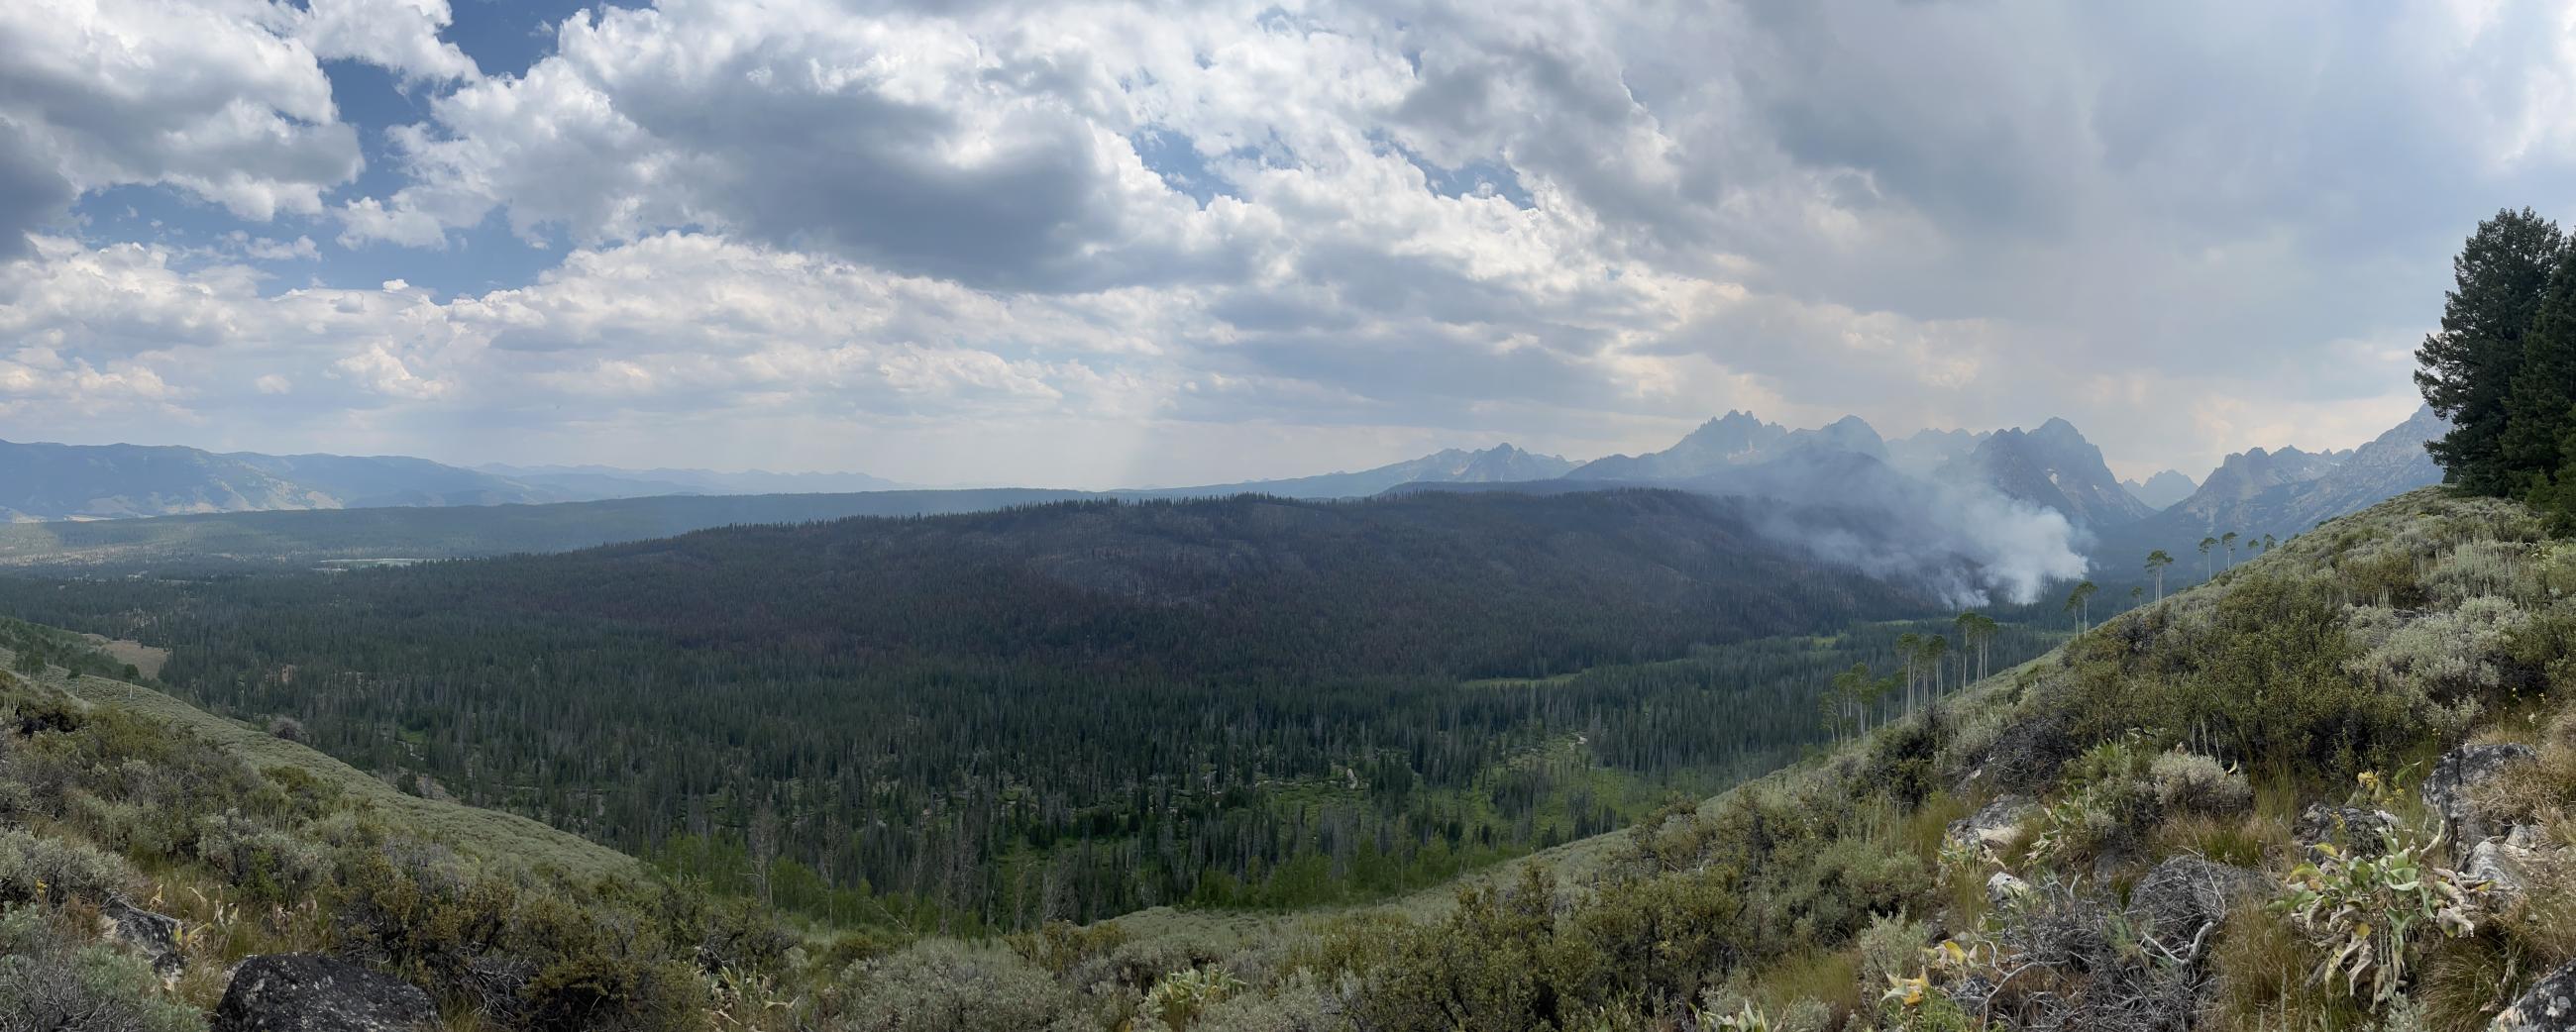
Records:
x=2502, y=368
x=1068, y=711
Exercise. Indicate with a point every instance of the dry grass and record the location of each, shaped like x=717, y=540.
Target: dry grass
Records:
x=488, y=834
x=2252, y=841
x=2264, y=985
x=1832, y=979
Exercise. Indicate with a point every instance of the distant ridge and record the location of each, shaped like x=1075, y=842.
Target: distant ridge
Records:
x=70, y=481
x=49, y=482
x=1499, y=464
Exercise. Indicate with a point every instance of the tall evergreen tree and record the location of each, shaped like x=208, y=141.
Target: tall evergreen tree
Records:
x=2541, y=406
x=2500, y=277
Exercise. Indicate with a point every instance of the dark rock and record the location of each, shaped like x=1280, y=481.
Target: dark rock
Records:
x=2451, y=790
x=2184, y=896
x=154, y=935
x=2353, y=830
x=305, y=992
x=2550, y=1006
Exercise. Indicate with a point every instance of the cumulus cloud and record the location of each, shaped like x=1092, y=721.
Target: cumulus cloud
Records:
x=1367, y=228
x=207, y=98
x=401, y=35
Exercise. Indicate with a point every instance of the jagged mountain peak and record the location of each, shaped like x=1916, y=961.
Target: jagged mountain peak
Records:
x=1735, y=439
x=2163, y=489
x=2285, y=491
x=2053, y=467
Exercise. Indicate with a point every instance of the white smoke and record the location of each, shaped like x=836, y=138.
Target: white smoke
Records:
x=1970, y=544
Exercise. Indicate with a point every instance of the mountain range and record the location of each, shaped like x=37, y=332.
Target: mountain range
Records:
x=2052, y=467
x=60, y=481
x=2283, y=492
x=46, y=482
x=1501, y=463
x=1916, y=490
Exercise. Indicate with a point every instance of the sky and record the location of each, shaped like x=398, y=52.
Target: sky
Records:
x=1085, y=244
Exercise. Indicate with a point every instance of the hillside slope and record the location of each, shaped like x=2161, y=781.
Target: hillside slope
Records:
x=150, y=851
x=2195, y=817
x=1125, y=695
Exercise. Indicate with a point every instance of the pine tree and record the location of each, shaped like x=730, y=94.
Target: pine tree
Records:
x=2538, y=409
x=2500, y=277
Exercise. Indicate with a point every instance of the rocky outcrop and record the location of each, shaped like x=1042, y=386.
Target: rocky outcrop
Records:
x=2509, y=866
x=2353, y=830
x=2185, y=897
x=155, y=936
x=1993, y=826
x=2451, y=790
x=2550, y=1006
x=305, y=992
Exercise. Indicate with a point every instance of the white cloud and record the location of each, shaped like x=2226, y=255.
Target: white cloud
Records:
x=223, y=100
x=1352, y=226
x=209, y=98
x=401, y=35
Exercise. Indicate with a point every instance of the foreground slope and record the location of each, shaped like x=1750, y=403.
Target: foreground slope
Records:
x=148, y=851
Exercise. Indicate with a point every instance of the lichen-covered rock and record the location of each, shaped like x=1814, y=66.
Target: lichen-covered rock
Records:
x=2353, y=830
x=2550, y=1006
x=305, y=992
x=1993, y=826
x=2501, y=867
x=2003, y=888
x=155, y=936
x=2451, y=790
x=2184, y=896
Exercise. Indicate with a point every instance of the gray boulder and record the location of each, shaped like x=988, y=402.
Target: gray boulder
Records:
x=2003, y=889
x=2451, y=790
x=306, y=992
x=1993, y=826
x=2187, y=895
x=2510, y=864
x=2354, y=830
x=155, y=936
x=2550, y=1006
x=2502, y=868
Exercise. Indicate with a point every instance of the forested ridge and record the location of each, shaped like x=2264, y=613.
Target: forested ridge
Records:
x=1061, y=711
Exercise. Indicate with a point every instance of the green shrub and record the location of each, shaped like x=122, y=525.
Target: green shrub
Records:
x=1891, y=950
x=270, y=866
x=56, y=870
x=2189, y=783
x=1300, y=1005
x=1178, y=998
x=2366, y=916
x=947, y=987
x=49, y=981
